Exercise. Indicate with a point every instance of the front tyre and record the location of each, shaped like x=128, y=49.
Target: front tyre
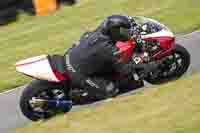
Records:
x=174, y=66
x=43, y=90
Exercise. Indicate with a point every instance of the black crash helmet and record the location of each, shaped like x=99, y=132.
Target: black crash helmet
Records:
x=117, y=27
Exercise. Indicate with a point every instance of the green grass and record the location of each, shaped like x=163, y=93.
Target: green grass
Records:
x=53, y=34
x=171, y=108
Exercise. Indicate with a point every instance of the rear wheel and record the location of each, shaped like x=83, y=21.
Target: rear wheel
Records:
x=34, y=97
x=174, y=66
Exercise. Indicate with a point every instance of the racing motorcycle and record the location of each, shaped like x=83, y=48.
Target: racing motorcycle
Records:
x=51, y=91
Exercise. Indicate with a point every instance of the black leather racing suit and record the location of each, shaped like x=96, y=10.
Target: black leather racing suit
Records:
x=93, y=58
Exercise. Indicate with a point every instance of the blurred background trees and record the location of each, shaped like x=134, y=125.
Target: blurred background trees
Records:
x=10, y=9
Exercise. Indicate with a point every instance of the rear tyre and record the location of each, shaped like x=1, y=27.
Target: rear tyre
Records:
x=38, y=88
x=175, y=66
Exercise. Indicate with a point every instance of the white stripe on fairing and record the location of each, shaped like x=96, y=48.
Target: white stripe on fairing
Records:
x=40, y=69
x=162, y=33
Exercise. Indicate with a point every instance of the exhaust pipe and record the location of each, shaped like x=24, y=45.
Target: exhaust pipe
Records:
x=63, y=105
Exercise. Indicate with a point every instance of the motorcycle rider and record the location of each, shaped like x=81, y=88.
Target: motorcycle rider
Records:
x=96, y=55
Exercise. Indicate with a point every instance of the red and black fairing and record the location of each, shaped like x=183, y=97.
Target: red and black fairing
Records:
x=126, y=50
x=166, y=44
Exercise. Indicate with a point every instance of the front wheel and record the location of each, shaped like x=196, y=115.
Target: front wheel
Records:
x=174, y=66
x=39, y=97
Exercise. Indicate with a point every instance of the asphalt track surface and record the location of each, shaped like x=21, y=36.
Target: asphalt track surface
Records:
x=11, y=117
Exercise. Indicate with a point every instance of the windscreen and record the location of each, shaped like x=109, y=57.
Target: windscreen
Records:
x=149, y=26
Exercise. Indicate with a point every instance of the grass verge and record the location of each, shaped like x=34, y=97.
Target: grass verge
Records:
x=171, y=108
x=32, y=36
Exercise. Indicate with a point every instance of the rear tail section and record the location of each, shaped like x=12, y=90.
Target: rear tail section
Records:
x=39, y=67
